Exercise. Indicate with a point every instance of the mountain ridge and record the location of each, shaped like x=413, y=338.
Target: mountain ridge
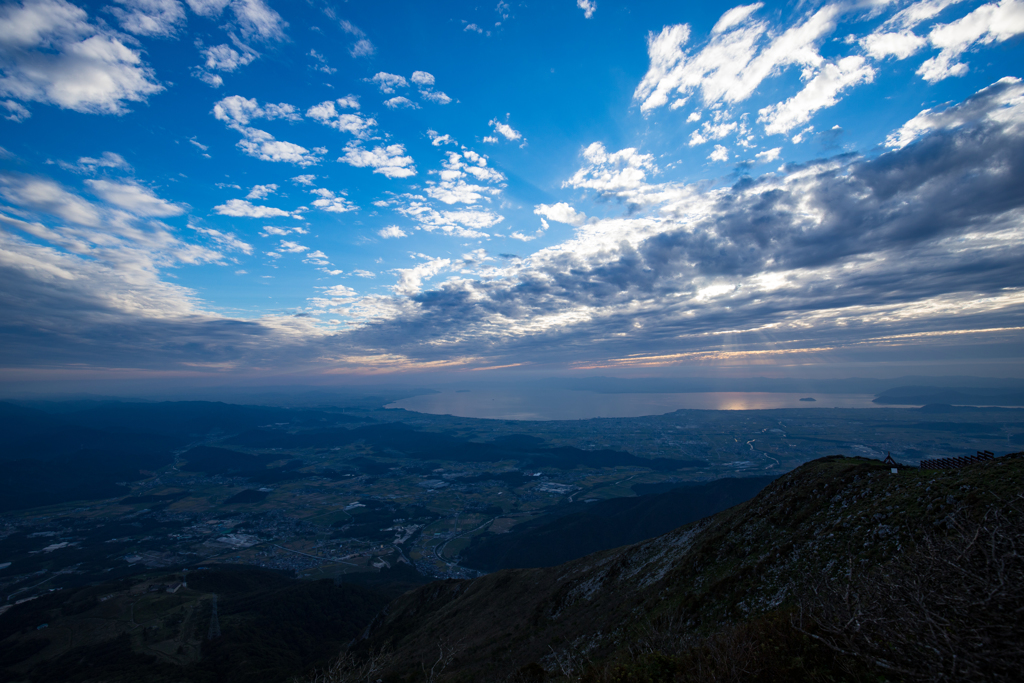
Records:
x=830, y=516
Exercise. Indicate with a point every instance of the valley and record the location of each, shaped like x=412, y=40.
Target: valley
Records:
x=382, y=499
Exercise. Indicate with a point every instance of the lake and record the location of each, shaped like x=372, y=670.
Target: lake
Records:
x=561, y=404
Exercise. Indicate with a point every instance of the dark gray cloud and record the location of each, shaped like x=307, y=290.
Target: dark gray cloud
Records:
x=920, y=239
x=899, y=255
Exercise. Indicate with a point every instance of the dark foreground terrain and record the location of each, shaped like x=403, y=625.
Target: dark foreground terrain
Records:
x=308, y=524
x=840, y=570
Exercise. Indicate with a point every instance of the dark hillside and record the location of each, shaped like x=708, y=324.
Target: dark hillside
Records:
x=556, y=538
x=84, y=475
x=273, y=626
x=726, y=586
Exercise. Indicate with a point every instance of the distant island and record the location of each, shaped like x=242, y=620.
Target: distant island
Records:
x=809, y=399
x=462, y=391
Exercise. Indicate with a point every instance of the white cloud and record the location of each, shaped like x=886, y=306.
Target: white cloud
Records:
x=465, y=223
x=453, y=188
x=617, y=174
x=362, y=48
x=73, y=281
x=991, y=23
x=522, y=237
x=437, y=140
x=364, y=273
x=43, y=194
x=490, y=139
x=473, y=27
x=388, y=82
x=212, y=80
x=238, y=111
x=331, y=202
x=89, y=164
x=253, y=17
x=392, y=231
x=507, y=131
x=737, y=15
x=198, y=144
x=134, y=198
x=410, y=280
x=916, y=13
x=562, y=213
x=588, y=7
x=268, y=230
x=261, y=191
x=1002, y=101
x=50, y=53
x=348, y=102
x=317, y=258
x=304, y=179
x=711, y=131
x=149, y=17
x=354, y=124
x=350, y=28
x=435, y=97
x=720, y=153
x=208, y=8
x=390, y=160
x=400, y=103
x=225, y=58
x=820, y=92
x=898, y=44
x=422, y=79
x=458, y=191
x=802, y=135
x=323, y=66
x=769, y=155
x=239, y=208
x=340, y=292
x=292, y=247
x=228, y=240
x=257, y=20
x=734, y=61
x=18, y=113
x=262, y=145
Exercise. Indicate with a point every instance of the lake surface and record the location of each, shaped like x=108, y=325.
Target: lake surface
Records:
x=576, y=405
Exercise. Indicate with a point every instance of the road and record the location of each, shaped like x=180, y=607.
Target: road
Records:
x=439, y=549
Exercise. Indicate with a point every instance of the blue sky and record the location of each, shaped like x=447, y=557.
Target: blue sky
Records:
x=243, y=188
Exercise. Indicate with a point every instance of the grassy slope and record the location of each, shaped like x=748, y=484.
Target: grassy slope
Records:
x=819, y=520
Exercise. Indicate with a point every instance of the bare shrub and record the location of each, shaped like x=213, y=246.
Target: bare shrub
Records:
x=950, y=609
x=767, y=649
x=349, y=669
x=572, y=661
x=446, y=652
